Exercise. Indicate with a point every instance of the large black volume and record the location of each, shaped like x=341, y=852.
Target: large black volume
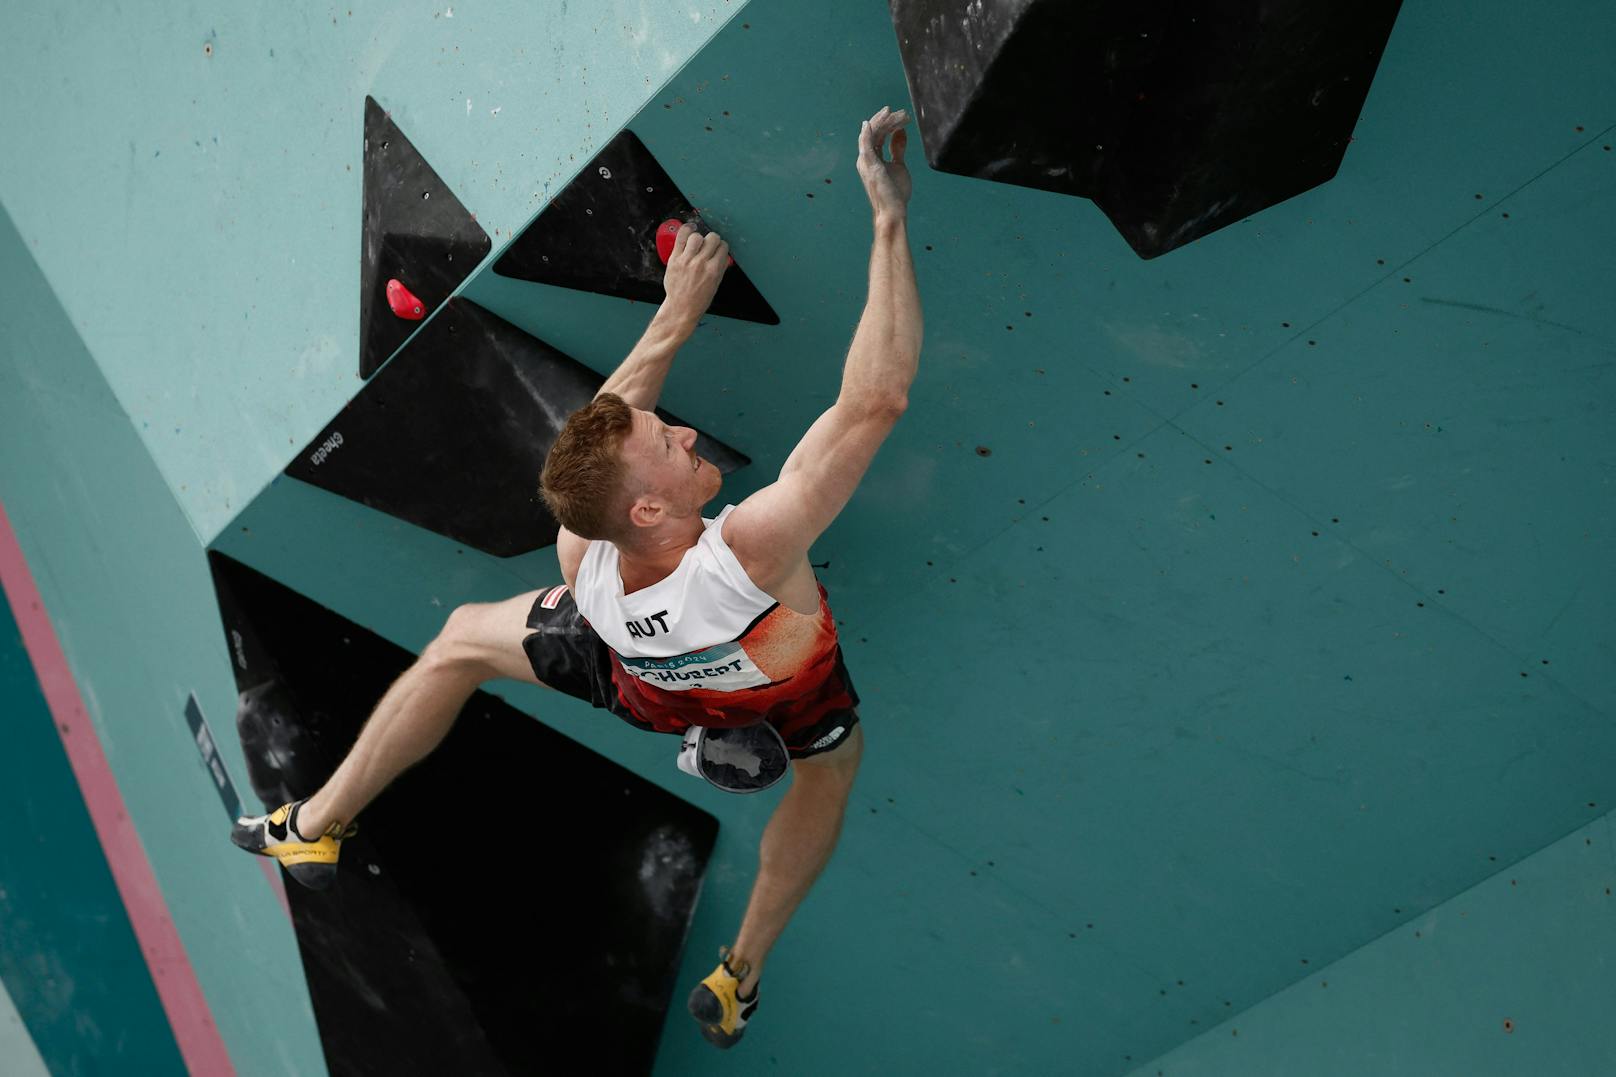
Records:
x=1176, y=119
x=513, y=904
x=415, y=231
x=452, y=435
x=599, y=235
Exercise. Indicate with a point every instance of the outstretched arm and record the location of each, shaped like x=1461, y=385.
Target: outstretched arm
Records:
x=772, y=530
x=695, y=267
x=694, y=270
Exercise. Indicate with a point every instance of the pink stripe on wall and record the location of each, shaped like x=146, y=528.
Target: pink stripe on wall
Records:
x=199, y=1041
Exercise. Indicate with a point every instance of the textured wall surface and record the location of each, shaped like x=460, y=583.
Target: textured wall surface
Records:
x=1222, y=620
x=1511, y=976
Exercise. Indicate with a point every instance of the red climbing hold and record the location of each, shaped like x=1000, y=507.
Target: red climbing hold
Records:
x=404, y=304
x=668, y=232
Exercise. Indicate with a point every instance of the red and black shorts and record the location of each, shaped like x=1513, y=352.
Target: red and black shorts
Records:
x=567, y=655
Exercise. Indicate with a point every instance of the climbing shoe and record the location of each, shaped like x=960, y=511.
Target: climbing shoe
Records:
x=716, y=1005
x=312, y=863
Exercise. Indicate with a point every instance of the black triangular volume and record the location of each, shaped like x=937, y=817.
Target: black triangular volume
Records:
x=599, y=235
x=423, y=957
x=415, y=231
x=1174, y=125
x=453, y=434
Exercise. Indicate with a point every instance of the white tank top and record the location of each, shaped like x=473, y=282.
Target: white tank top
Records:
x=684, y=631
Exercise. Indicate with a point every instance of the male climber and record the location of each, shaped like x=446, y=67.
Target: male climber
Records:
x=675, y=622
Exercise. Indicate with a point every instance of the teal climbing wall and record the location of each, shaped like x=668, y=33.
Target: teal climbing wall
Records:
x=69, y=961
x=1229, y=624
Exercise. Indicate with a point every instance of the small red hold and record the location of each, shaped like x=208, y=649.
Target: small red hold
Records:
x=403, y=302
x=667, y=234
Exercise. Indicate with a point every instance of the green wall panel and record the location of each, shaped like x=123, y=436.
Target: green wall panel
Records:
x=17, y=1048
x=127, y=589
x=68, y=957
x=1511, y=976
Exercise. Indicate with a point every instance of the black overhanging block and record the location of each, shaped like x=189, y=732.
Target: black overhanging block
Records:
x=511, y=904
x=599, y=235
x=452, y=435
x=1175, y=119
x=415, y=230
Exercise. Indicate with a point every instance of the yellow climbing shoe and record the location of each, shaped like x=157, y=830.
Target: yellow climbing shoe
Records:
x=716, y=1004
x=312, y=863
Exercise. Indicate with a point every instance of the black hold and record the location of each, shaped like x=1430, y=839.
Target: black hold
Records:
x=1176, y=120
x=452, y=435
x=434, y=243
x=599, y=235
x=418, y=964
x=202, y=734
